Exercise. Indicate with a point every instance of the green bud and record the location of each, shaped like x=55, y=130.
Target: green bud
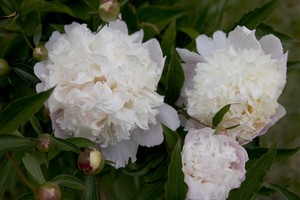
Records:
x=109, y=10
x=47, y=191
x=4, y=67
x=40, y=53
x=90, y=161
x=45, y=143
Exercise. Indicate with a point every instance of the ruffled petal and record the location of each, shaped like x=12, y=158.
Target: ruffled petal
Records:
x=40, y=70
x=138, y=36
x=271, y=45
x=189, y=56
x=280, y=112
x=242, y=38
x=206, y=46
x=168, y=116
x=151, y=137
x=121, y=152
x=155, y=52
x=118, y=25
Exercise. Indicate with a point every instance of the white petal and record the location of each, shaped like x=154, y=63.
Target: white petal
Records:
x=138, y=36
x=168, y=116
x=121, y=152
x=57, y=130
x=40, y=87
x=271, y=45
x=280, y=112
x=40, y=69
x=118, y=25
x=242, y=38
x=188, y=56
x=155, y=52
x=219, y=39
x=206, y=46
x=151, y=137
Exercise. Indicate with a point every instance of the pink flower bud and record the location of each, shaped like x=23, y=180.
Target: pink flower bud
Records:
x=45, y=143
x=90, y=161
x=40, y=53
x=47, y=191
x=109, y=10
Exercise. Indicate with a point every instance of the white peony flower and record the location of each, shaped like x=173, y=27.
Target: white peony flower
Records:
x=212, y=164
x=238, y=70
x=106, y=88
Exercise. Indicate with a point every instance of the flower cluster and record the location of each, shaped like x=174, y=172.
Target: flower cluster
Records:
x=247, y=74
x=238, y=70
x=105, y=88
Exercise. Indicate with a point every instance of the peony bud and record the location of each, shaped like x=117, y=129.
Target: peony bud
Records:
x=47, y=191
x=90, y=161
x=109, y=10
x=40, y=53
x=4, y=67
x=45, y=143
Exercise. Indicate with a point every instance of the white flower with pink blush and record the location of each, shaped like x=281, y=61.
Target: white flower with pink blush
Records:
x=212, y=164
x=240, y=70
x=105, y=88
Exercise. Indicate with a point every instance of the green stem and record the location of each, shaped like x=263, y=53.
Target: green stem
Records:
x=19, y=172
x=184, y=113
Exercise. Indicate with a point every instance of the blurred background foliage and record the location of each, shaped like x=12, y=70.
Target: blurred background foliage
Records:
x=175, y=23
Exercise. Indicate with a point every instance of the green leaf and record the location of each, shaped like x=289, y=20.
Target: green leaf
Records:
x=81, y=142
x=174, y=78
x=91, y=192
x=21, y=110
x=26, y=197
x=150, y=191
x=64, y=145
x=219, y=115
x=15, y=143
x=32, y=166
x=69, y=181
x=281, y=154
x=254, y=176
x=37, y=35
x=168, y=40
x=36, y=125
x=288, y=195
x=192, y=33
x=170, y=136
x=175, y=186
x=254, y=18
x=6, y=171
x=142, y=169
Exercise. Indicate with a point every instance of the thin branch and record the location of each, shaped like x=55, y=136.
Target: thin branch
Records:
x=20, y=173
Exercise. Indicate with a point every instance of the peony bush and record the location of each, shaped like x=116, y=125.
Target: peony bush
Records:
x=140, y=100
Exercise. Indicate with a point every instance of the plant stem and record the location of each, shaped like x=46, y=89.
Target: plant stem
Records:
x=19, y=172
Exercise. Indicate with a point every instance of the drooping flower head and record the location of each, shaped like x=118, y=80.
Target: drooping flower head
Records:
x=238, y=70
x=212, y=164
x=105, y=88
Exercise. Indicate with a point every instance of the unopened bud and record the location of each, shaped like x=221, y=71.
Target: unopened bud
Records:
x=90, y=161
x=47, y=191
x=40, y=53
x=4, y=67
x=45, y=143
x=109, y=10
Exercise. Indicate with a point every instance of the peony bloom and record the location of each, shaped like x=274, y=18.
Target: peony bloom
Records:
x=106, y=88
x=238, y=70
x=212, y=164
